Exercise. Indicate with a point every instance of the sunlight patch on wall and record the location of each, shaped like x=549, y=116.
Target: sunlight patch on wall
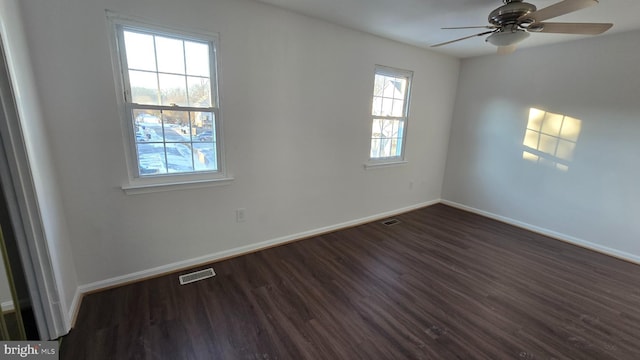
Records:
x=551, y=138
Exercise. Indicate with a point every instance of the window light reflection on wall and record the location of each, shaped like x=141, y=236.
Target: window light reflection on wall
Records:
x=551, y=138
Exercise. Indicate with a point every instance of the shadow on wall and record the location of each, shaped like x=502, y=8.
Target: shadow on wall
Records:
x=551, y=139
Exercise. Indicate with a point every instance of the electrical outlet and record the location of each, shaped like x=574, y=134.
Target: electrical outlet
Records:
x=240, y=216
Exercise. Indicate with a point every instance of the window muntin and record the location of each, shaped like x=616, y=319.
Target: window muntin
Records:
x=170, y=96
x=389, y=113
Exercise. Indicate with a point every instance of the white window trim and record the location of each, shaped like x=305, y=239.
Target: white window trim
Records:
x=136, y=184
x=381, y=164
x=137, y=188
x=393, y=160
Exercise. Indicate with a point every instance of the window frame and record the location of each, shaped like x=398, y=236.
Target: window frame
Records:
x=162, y=182
x=396, y=73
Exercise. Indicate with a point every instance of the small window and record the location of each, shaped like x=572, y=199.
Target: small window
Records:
x=389, y=114
x=170, y=99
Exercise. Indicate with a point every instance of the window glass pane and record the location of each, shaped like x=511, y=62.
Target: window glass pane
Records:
x=203, y=126
x=140, y=51
x=197, y=58
x=387, y=128
x=173, y=89
x=179, y=157
x=401, y=85
x=395, y=147
x=398, y=108
x=378, y=85
x=205, y=157
x=146, y=116
x=170, y=55
x=144, y=87
x=199, y=91
x=380, y=131
x=151, y=159
x=394, y=133
x=385, y=148
x=386, y=138
x=175, y=126
x=144, y=122
x=376, y=128
x=387, y=107
x=376, y=109
x=375, y=148
x=389, y=87
x=175, y=141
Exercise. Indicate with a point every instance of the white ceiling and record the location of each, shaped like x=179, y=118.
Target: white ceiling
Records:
x=418, y=22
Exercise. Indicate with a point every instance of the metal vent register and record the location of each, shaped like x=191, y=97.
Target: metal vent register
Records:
x=390, y=222
x=196, y=276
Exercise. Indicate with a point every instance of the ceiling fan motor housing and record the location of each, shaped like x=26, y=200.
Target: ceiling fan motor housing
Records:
x=510, y=12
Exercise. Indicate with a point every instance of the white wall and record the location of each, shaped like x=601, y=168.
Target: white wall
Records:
x=597, y=80
x=44, y=176
x=295, y=94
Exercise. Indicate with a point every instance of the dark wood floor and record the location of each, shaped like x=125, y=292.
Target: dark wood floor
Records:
x=442, y=284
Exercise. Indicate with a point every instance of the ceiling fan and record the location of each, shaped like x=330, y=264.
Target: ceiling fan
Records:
x=513, y=21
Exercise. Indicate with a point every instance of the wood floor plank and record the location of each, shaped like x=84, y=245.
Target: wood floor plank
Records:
x=440, y=284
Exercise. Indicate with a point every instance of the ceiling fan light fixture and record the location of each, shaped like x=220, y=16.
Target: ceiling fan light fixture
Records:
x=512, y=22
x=507, y=38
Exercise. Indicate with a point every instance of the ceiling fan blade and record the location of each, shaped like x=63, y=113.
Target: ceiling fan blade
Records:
x=506, y=50
x=463, y=38
x=573, y=28
x=470, y=27
x=561, y=8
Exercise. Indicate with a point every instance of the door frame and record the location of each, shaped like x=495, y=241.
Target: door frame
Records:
x=22, y=201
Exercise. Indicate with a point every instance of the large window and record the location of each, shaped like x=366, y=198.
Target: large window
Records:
x=170, y=101
x=389, y=114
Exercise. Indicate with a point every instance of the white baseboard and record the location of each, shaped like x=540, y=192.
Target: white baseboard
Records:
x=176, y=266
x=550, y=233
x=72, y=313
x=7, y=306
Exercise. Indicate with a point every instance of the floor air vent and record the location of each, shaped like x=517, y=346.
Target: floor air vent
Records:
x=390, y=222
x=197, y=275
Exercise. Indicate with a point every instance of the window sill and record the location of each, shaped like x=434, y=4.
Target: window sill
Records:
x=134, y=188
x=380, y=164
